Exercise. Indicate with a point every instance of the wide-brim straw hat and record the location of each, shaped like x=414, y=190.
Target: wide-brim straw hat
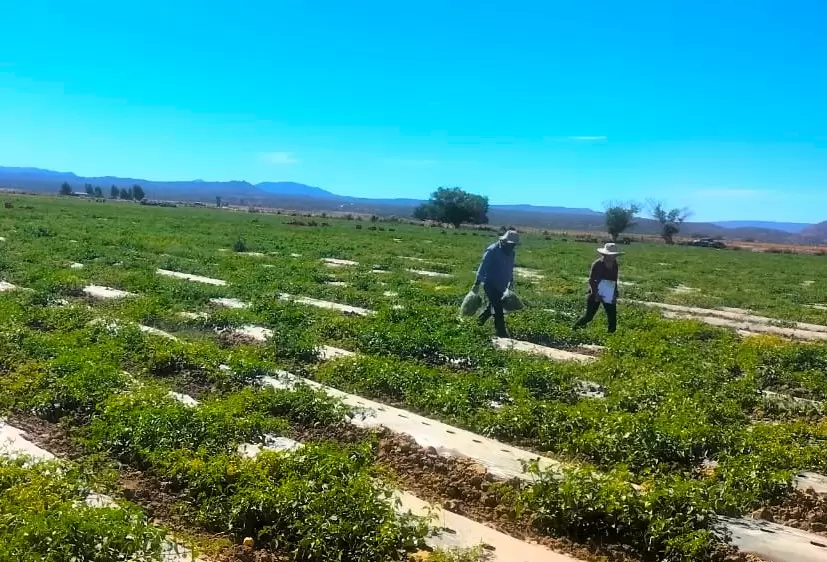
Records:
x=609, y=249
x=510, y=237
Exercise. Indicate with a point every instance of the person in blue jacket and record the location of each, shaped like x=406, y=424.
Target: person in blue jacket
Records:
x=496, y=275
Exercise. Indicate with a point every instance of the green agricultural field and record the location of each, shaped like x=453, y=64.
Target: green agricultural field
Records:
x=686, y=421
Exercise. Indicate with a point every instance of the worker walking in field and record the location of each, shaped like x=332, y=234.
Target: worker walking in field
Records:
x=496, y=275
x=603, y=287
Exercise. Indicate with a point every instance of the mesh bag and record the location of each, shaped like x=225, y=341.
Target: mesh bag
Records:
x=471, y=304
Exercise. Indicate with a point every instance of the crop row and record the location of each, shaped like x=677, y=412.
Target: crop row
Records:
x=49, y=234
x=325, y=501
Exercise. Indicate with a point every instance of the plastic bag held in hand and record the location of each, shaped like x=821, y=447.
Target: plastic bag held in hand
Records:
x=471, y=304
x=511, y=302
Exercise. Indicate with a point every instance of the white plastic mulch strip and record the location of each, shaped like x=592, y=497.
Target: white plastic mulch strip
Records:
x=502, y=460
x=4, y=286
x=328, y=353
x=775, y=542
x=333, y=262
x=455, y=531
x=184, y=399
x=230, y=303
x=732, y=314
x=13, y=444
x=426, y=273
x=156, y=332
x=271, y=443
x=99, y=292
x=76, y=265
x=257, y=333
x=793, y=402
x=746, y=327
x=535, y=349
x=191, y=277
x=345, y=308
x=806, y=480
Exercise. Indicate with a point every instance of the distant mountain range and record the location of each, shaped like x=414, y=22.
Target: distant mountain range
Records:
x=792, y=227
x=301, y=197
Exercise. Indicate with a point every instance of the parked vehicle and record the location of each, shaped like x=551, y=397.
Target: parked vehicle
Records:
x=708, y=243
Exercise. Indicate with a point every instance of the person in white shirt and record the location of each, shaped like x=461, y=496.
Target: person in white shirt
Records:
x=603, y=282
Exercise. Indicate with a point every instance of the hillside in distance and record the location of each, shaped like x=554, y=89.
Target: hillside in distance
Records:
x=816, y=231
x=792, y=227
x=301, y=197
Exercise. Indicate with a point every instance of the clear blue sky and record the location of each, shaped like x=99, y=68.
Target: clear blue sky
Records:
x=718, y=105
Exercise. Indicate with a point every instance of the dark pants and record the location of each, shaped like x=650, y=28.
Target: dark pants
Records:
x=591, y=309
x=495, y=309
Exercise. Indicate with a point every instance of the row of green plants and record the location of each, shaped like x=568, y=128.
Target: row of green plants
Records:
x=46, y=517
x=44, y=235
x=323, y=502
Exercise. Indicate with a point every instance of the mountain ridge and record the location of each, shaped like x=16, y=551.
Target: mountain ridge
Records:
x=302, y=197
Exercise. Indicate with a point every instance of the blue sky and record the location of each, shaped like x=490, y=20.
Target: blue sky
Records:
x=716, y=105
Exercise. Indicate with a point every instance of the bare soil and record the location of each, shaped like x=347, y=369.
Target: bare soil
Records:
x=804, y=509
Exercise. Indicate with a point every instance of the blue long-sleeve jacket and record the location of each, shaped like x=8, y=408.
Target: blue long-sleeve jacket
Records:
x=497, y=267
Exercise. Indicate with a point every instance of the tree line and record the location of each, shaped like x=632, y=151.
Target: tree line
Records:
x=134, y=193
x=455, y=206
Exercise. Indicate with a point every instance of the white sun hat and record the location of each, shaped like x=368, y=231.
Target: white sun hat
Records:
x=510, y=237
x=609, y=249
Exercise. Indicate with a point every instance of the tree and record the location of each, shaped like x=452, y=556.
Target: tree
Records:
x=138, y=192
x=126, y=193
x=620, y=217
x=454, y=206
x=98, y=192
x=670, y=221
x=90, y=191
x=114, y=192
x=218, y=201
x=65, y=188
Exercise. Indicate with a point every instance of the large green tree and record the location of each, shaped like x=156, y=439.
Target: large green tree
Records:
x=114, y=192
x=620, y=217
x=65, y=188
x=138, y=192
x=454, y=206
x=670, y=220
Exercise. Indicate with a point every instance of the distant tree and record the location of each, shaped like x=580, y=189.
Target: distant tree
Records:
x=620, y=217
x=126, y=193
x=98, y=192
x=90, y=191
x=454, y=206
x=65, y=188
x=670, y=221
x=114, y=192
x=218, y=201
x=138, y=193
